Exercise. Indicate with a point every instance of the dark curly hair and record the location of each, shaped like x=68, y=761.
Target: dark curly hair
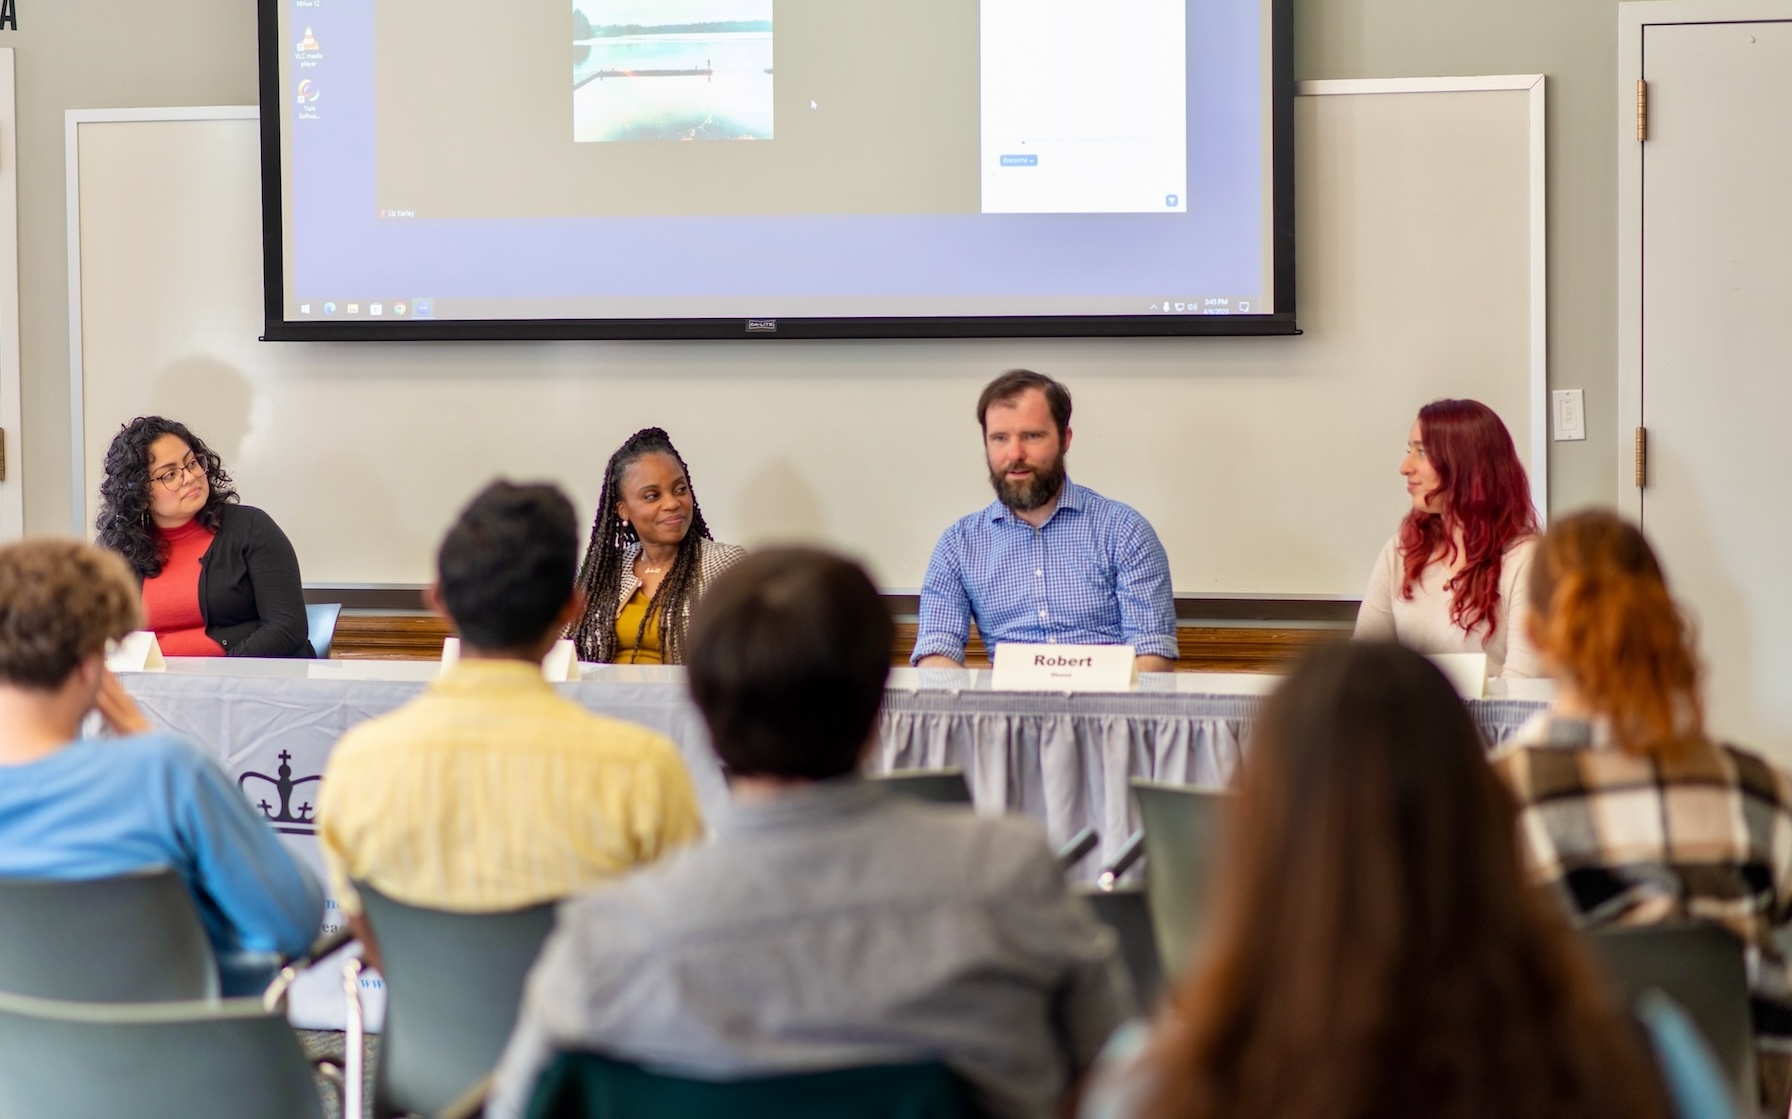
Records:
x=124, y=524
x=600, y=576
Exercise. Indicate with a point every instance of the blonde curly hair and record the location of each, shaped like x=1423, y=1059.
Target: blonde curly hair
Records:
x=60, y=602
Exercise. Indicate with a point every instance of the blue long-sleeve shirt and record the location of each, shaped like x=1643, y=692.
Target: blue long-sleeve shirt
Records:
x=98, y=808
x=1093, y=574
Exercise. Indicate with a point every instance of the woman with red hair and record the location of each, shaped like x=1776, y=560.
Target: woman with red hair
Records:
x=1453, y=578
x=1628, y=810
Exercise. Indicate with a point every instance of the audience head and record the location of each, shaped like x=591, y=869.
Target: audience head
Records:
x=648, y=499
x=1463, y=474
x=1603, y=618
x=1378, y=951
x=1025, y=418
x=157, y=475
x=505, y=570
x=61, y=601
x=789, y=652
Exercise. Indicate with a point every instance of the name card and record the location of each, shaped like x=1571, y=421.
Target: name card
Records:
x=1467, y=672
x=136, y=652
x=559, y=666
x=1064, y=668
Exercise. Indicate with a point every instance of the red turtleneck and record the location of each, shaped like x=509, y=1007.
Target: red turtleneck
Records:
x=171, y=599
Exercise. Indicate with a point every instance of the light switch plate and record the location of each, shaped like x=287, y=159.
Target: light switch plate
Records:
x=1568, y=413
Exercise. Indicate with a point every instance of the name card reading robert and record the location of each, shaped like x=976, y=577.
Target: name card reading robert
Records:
x=1064, y=668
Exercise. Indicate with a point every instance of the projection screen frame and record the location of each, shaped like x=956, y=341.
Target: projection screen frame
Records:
x=1280, y=322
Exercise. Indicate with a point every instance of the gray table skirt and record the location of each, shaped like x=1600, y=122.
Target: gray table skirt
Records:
x=1067, y=760
x=1063, y=760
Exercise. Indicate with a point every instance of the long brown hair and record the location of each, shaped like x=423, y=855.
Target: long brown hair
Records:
x=1378, y=953
x=1485, y=493
x=1604, y=616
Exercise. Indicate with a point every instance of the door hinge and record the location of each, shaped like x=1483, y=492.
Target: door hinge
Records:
x=1642, y=110
x=1642, y=457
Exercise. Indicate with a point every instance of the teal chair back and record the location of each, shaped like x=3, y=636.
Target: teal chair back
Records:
x=1127, y=911
x=454, y=982
x=1183, y=849
x=590, y=1086
x=942, y=786
x=133, y=938
x=1700, y=967
x=183, y=1060
x=320, y=626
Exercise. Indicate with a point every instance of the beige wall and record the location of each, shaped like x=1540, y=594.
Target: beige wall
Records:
x=1575, y=43
x=113, y=53
x=90, y=54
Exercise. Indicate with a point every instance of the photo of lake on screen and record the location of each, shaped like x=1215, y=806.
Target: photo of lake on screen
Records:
x=671, y=70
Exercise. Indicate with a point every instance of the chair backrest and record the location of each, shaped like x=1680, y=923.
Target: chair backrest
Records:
x=1700, y=966
x=453, y=985
x=320, y=626
x=590, y=1086
x=942, y=786
x=1127, y=911
x=165, y=1060
x=1689, y=1070
x=133, y=938
x=1182, y=849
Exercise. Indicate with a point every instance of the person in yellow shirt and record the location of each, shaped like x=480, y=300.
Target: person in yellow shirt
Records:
x=490, y=791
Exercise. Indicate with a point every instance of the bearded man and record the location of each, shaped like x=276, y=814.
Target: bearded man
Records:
x=1049, y=562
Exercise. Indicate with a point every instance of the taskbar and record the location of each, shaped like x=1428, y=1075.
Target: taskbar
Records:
x=351, y=309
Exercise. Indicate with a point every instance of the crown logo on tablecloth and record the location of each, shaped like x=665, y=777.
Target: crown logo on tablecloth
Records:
x=299, y=820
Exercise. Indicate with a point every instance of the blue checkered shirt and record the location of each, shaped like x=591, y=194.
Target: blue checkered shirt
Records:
x=1094, y=574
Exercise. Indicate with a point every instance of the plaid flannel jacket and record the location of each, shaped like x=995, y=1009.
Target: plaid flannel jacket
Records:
x=1631, y=840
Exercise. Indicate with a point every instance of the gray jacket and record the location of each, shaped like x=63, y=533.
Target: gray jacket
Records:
x=838, y=925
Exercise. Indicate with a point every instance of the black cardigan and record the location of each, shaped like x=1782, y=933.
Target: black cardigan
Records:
x=249, y=590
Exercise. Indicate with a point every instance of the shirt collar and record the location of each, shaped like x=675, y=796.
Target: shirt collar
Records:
x=1071, y=496
x=488, y=677
x=820, y=803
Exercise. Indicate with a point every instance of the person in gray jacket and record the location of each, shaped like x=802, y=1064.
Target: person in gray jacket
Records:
x=831, y=923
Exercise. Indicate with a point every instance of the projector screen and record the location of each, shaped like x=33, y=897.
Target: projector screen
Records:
x=780, y=168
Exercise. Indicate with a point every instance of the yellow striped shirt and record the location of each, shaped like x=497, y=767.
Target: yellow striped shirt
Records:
x=491, y=792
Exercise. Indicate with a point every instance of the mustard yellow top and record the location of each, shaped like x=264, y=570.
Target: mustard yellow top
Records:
x=491, y=791
x=628, y=624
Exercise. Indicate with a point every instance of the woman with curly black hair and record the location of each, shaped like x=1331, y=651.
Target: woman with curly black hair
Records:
x=219, y=579
x=649, y=558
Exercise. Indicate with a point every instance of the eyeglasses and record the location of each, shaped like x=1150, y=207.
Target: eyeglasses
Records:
x=174, y=476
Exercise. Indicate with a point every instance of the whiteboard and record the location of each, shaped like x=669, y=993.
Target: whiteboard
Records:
x=1267, y=465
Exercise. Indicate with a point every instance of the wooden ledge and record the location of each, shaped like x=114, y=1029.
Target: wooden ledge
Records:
x=1203, y=648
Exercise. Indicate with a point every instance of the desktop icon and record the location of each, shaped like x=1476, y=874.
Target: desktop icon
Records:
x=398, y=308
x=308, y=91
x=423, y=308
x=309, y=42
x=329, y=308
x=1179, y=306
x=354, y=308
x=304, y=308
x=375, y=309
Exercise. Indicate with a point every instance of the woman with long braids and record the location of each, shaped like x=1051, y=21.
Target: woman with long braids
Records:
x=219, y=579
x=649, y=558
x=1453, y=578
